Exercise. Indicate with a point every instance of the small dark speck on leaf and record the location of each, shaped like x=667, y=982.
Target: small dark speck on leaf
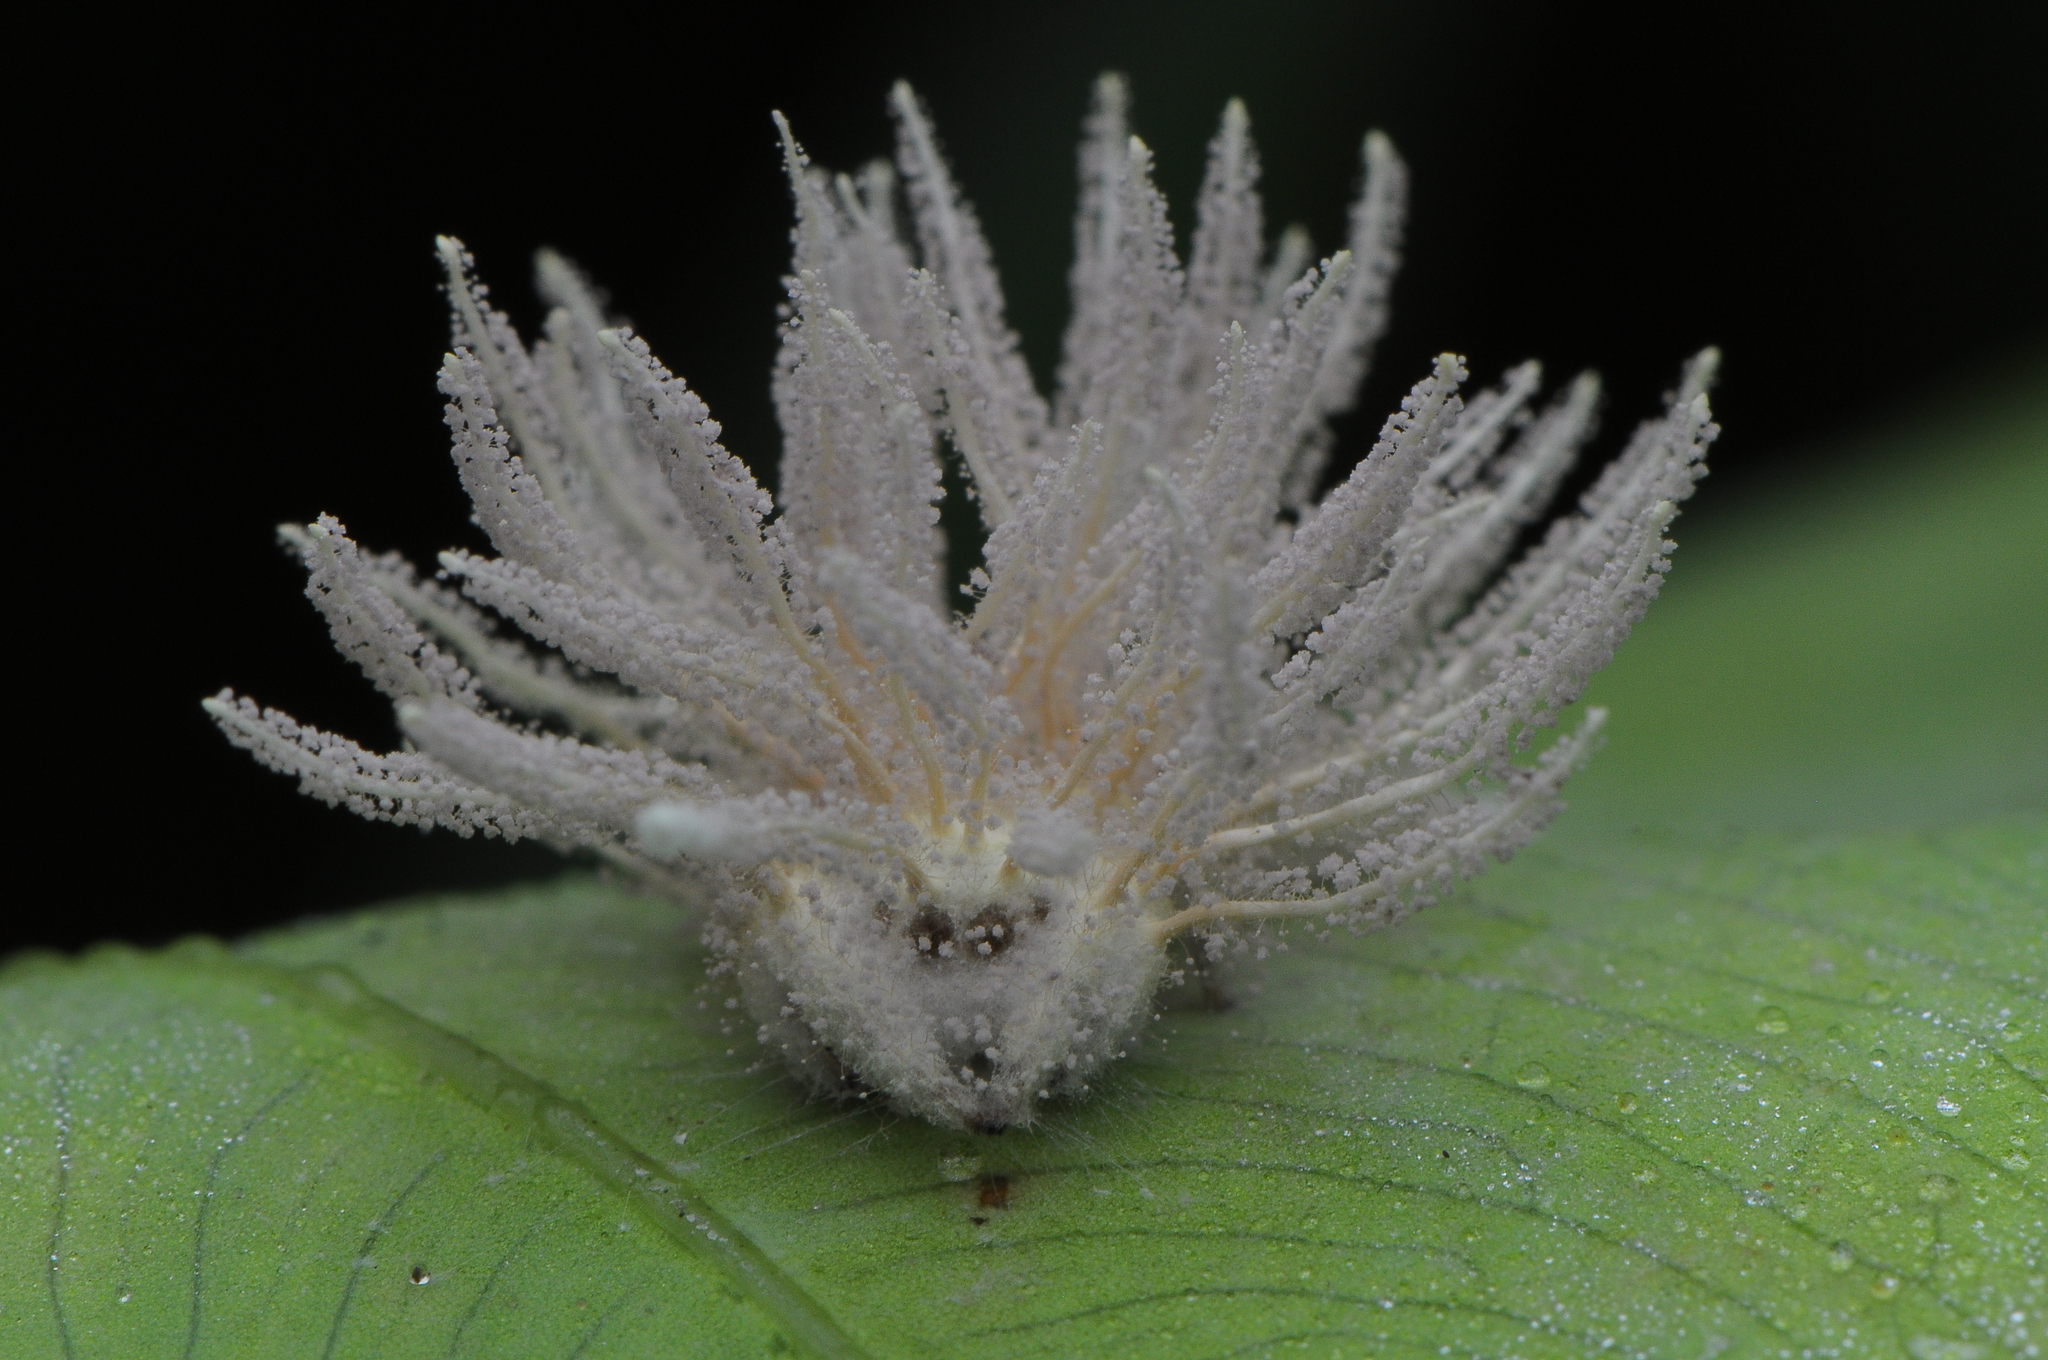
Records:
x=976, y=1219
x=420, y=1275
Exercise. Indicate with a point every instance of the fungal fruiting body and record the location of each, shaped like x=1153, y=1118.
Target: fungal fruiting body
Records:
x=950, y=837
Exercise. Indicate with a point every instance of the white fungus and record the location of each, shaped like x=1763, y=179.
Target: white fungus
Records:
x=946, y=851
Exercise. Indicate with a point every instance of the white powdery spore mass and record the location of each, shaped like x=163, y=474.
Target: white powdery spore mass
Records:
x=948, y=850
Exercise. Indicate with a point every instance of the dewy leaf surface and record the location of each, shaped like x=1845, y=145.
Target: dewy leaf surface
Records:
x=1748, y=1055
x=1633, y=1094
x=204, y=1158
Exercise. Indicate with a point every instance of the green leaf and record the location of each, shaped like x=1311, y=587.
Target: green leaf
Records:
x=1748, y=1054
x=214, y=1157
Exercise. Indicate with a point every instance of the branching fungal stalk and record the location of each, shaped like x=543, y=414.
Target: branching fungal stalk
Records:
x=948, y=854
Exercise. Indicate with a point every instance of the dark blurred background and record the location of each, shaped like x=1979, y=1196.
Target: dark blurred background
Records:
x=233, y=317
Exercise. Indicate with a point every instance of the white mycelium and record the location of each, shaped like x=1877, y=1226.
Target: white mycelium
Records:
x=950, y=839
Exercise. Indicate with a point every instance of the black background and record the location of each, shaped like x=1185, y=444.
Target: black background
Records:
x=230, y=314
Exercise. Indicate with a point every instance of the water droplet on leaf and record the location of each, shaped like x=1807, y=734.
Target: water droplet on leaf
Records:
x=1940, y=1348
x=1534, y=1076
x=1772, y=1020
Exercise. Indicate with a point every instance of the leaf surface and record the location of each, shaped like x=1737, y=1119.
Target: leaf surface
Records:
x=1748, y=1054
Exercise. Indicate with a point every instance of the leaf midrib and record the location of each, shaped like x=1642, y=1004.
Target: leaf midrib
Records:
x=678, y=1209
